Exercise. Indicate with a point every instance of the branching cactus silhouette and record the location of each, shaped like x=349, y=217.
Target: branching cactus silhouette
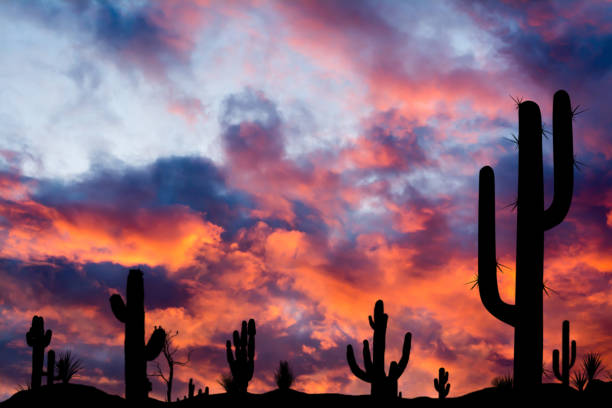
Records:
x=441, y=383
x=132, y=314
x=382, y=385
x=563, y=374
x=242, y=365
x=526, y=315
x=38, y=339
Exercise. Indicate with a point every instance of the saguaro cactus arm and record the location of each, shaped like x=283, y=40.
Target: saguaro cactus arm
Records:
x=118, y=307
x=355, y=369
x=403, y=362
x=563, y=158
x=487, y=260
x=155, y=344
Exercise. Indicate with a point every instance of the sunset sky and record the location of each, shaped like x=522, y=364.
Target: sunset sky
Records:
x=292, y=162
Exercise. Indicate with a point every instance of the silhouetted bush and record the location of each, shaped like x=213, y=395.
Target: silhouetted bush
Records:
x=503, y=382
x=228, y=384
x=68, y=366
x=579, y=380
x=284, y=376
x=592, y=365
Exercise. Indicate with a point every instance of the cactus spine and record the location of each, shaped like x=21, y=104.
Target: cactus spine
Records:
x=132, y=314
x=38, y=339
x=242, y=365
x=382, y=385
x=568, y=362
x=441, y=383
x=532, y=220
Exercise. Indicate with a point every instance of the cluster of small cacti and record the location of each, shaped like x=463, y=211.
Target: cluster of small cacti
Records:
x=191, y=391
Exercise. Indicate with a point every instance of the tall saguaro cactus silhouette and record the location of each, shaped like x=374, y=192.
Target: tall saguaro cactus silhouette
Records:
x=563, y=375
x=38, y=339
x=132, y=314
x=242, y=365
x=382, y=385
x=532, y=220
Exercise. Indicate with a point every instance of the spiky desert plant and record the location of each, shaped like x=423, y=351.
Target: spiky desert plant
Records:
x=68, y=366
x=579, y=379
x=526, y=315
x=227, y=382
x=242, y=365
x=592, y=364
x=38, y=339
x=441, y=383
x=382, y=385
x=503, y=382
x=132, y=315
x=284, y=376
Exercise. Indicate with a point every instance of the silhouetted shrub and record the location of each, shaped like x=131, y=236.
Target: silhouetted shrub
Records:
x=228, y=384
x=579, y=379
x=592, y=365
x=503, y=382
x=284, y=376
x=68, y=366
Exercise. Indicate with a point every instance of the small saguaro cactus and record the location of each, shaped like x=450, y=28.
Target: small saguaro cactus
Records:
x=191, y=388
x=526, y=314
x=441, y=383
x=132, y=314
x=382, y=385
x=38, y=339
x=242, y=365
x=563, y=375
x=50, y=373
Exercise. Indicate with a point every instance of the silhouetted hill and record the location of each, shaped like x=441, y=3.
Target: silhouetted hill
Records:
x=75, y=395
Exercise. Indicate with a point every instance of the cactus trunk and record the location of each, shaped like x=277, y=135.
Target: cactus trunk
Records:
x=526, y=315
x=132, y=314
